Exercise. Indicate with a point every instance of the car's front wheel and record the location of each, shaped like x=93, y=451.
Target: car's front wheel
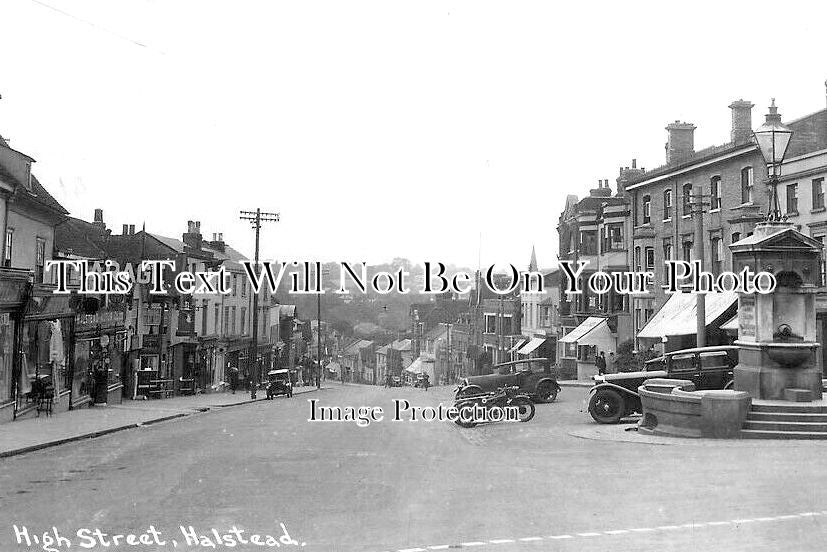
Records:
x=546, y=392
x=606, y=406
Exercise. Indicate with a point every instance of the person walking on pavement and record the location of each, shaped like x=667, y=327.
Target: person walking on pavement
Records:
x=600, y=363
x=426, y=381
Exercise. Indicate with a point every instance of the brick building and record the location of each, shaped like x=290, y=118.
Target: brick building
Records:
x=727, y=179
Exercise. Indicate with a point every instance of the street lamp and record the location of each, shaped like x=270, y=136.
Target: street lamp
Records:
x=773, y=139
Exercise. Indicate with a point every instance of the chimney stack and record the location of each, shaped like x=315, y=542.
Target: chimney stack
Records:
x=192, y=237
x=98, y=220
x=741, y=121
x=681, y=140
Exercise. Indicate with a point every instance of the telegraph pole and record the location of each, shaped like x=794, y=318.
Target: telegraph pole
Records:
x=698, y=204
x=256, y=218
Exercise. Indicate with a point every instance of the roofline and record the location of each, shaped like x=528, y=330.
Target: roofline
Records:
x=693, y=166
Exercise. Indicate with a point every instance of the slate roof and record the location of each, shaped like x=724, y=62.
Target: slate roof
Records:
x=78, y=237
x=38, y=193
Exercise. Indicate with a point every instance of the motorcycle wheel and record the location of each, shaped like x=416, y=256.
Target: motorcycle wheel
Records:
x=460, y=422
x=526, y=408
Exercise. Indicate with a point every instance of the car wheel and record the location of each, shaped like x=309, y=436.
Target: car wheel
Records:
x=546, y=392
x=607, y=406
x=526, y=408
x=469, y=391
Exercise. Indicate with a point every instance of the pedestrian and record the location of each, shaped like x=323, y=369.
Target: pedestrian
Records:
x=233, y=379
x=610, y=367
x=426, y=381
x=600, y=363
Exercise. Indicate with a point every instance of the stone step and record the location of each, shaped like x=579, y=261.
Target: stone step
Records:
x=790, y=407
x=810, y=417
x=787, y=426
x=797, y=435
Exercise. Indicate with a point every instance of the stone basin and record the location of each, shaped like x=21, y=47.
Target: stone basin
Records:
x=789, y=354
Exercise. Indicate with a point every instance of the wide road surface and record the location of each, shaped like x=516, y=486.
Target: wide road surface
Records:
x=416, y=486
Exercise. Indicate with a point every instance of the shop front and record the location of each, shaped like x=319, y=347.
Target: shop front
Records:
x=100, y=358
x=13, y=290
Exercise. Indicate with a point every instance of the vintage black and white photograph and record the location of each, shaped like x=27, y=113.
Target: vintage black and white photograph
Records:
x=386, y=276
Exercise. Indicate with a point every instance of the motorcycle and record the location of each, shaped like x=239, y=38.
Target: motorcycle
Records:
x=504, y=404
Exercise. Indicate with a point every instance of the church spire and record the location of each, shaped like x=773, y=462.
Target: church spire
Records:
x=532, y=265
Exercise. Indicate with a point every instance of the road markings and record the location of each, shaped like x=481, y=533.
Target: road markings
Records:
x=614, y=532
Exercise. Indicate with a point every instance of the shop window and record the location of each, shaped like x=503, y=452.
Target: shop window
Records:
x=6, y=355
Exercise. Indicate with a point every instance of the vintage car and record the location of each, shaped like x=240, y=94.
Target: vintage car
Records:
x=278, y=383
x=538, y=383
x=615, y=396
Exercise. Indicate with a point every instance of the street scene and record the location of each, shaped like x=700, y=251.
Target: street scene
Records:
x=374, y=277
x=545, y=485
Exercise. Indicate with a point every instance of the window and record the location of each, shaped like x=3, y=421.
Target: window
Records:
x=204, y=307
x=490, y=323
x=215, y=320
x=717, y=254
x=233, y=319
x=637, y=259
x=226, y=327
x=647, y=209
x=687, y=199
x=746, y=185
x=244, y=287
x=687, y=251
x=823, y=262
x=235, y=285
x=715, y=192
x=39, y=259
x=667, y=204
x=588, y=242
x=650, y=258
x=818, y=193
x=9, y=241
x=736, y=236
x=792, y=199
x=667, y=250
x=613, y=237
x=243, y=316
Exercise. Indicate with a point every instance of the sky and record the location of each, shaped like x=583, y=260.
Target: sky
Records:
x=434, y=130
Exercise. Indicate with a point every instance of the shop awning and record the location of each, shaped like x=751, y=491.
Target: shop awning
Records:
x=516, y=346
x=731, y=324
x=532, y=345
x=594, y=331
x=678, y=315
x=415, y=367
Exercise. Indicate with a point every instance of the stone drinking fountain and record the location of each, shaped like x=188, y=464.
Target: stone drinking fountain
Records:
x=777, y=331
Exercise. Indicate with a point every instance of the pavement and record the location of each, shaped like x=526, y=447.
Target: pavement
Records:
x=415, y=486
x=39, y=432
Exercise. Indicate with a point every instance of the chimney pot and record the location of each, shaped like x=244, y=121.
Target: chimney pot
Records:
x=98, y=215
x=214, y=236
x=131, y=229
x=634, y=163
x=125, y=229
x=221, y=236
x=190, y=226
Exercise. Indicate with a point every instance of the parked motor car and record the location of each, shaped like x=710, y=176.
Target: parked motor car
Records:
x=278, y=383
x=538, y=383
x=615, y=396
